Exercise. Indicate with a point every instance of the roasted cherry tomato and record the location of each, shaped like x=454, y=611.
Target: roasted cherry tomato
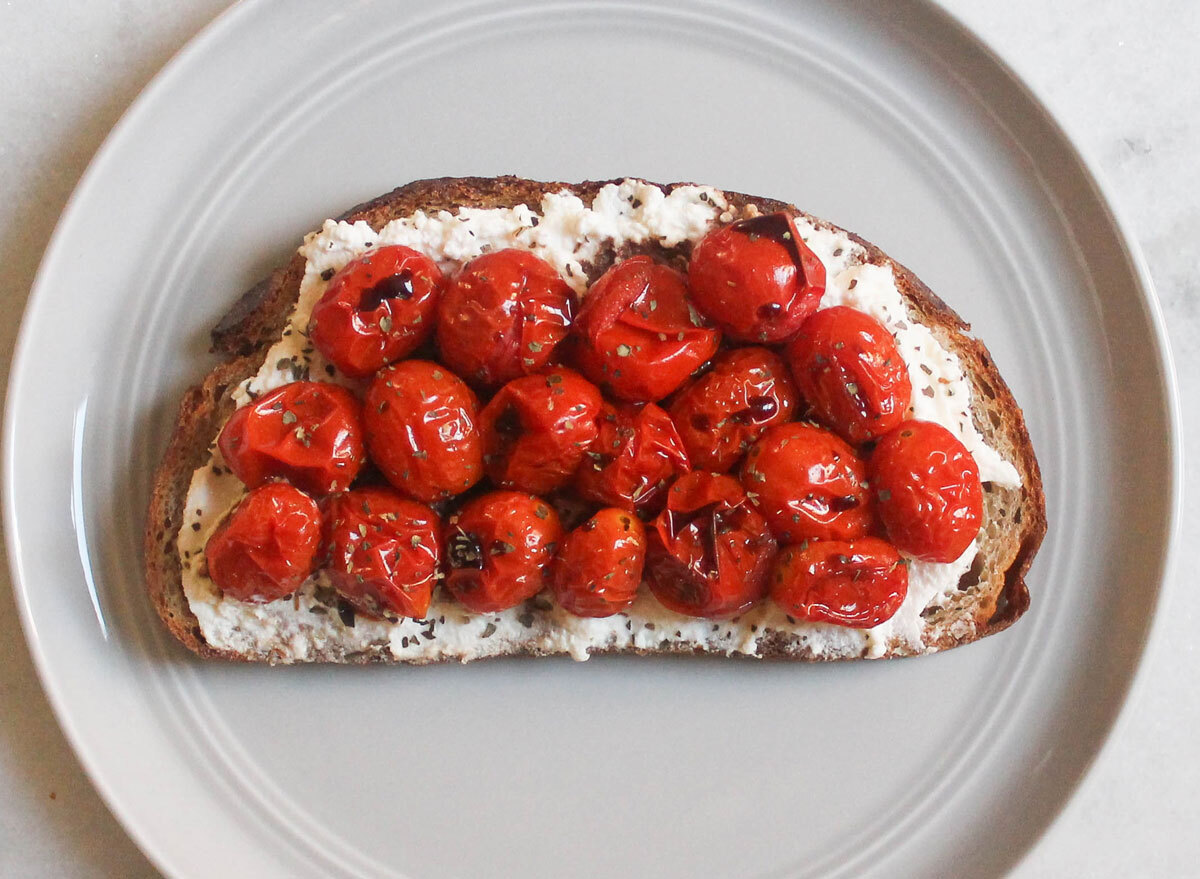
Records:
x=420, y=422
x=499, y=547
x=756, y=279
x=809, y=484
x=725, y=410
x=927, y=488
x=858, y=583
x=384, y=551
x=309, y=433
x=636, y=456
x=377, y=309
x=502, y=316
x=267, y=546
x=638, y=335
x=709, y=552
x=847, y=366
x=599, y=565
x=537, y=428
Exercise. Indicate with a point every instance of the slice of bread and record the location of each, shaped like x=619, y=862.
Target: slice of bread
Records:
x=989, y=596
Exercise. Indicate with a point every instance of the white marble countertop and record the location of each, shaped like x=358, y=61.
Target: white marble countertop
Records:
x=1120, y=74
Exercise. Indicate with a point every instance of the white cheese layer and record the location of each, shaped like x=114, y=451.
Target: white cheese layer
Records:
x=567, y=233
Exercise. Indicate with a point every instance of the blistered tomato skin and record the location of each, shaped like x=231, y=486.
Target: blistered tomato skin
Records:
x=599, y=565
x=720, y=413
x=849, y=370
x=756, y=279
x=709, y=552
x=537, y=429
x=809, y=484
x=498, y=550
x=377, y=309
x=309, y=433
x=636, y=456
x=384, y=551
x=267, y=546
x=503, y=316
x=637, y=335
x=421, y=430
x=858, y=583
x=927, y=488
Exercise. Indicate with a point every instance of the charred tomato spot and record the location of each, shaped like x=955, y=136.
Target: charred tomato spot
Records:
x=465, y=551
x=509, y=425
x=508, y=432
x=398, y=286
x=707, y=521
x=759, y=408
x=778, y=229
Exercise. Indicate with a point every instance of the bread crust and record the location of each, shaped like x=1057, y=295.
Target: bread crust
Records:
x=1017, y=516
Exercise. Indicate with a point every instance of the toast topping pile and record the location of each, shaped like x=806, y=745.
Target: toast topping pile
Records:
x=652, y=422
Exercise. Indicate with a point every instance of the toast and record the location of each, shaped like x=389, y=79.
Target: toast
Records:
x=986, y=593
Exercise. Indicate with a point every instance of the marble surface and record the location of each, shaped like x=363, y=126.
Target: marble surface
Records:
x=1120, y=74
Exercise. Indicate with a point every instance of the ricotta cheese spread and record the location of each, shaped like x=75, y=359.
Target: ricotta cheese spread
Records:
x=567, y=233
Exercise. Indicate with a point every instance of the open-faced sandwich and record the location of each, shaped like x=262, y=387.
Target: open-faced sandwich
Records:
x=482, y=417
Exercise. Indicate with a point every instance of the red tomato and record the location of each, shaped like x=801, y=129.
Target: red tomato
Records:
x=537, y=428
x=377, y=309
x=384, y=551
x=502, y=316
x=634, y=459
x=499, y=547
x=725, y=410
x=809, y=484
x=267, y=546
x=927, y=487
x=756, y=279
x=709, y=551
x=638, y=335
x=850, y=372
x=309, y=433
x=421, y=432
x=858, y=583
x=599, y=566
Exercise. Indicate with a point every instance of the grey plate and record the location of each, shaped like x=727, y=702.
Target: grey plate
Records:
x=886, y=117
